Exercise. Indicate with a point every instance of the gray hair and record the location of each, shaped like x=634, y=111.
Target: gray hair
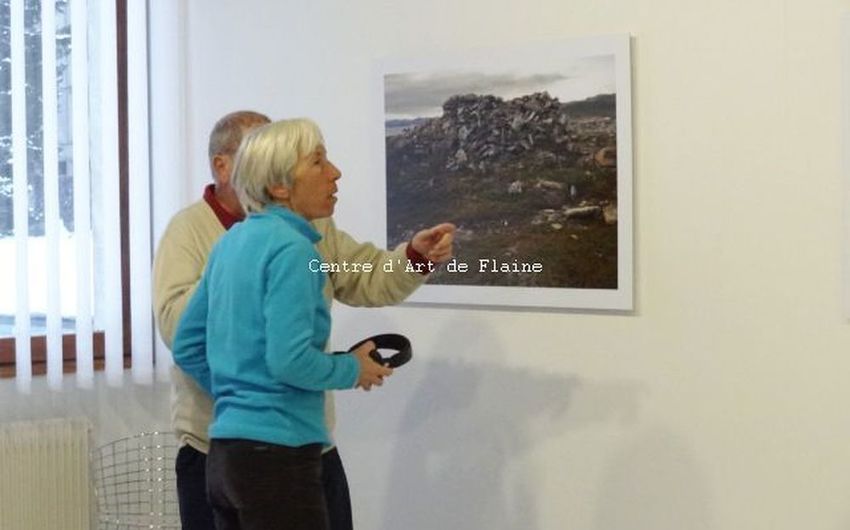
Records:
x=267, y=156
x=227, y=133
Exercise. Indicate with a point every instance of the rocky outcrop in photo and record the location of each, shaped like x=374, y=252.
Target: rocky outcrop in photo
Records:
x=486, y=133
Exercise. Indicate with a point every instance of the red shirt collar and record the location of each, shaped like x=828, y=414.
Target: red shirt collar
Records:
x=226, y=218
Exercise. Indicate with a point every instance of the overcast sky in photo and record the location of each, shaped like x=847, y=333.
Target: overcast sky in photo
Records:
x=422, y=94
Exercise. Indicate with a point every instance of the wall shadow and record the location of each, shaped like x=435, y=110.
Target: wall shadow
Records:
x=454, y=462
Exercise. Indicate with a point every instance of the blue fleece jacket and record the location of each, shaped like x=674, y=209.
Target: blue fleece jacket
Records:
x=254, y=332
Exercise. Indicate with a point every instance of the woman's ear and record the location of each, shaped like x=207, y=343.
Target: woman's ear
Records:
x=278, y=192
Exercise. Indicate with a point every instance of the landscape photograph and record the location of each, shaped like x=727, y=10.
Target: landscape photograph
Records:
x=522, y=158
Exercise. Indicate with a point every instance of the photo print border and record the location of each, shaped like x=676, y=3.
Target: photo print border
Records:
x=528, y=150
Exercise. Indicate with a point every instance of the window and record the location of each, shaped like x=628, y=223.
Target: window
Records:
x=69, y=237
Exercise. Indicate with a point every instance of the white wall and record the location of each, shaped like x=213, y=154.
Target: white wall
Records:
x=722, y=402
x=114, y=411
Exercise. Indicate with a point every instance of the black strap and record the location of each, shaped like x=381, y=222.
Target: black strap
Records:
x=389, y=341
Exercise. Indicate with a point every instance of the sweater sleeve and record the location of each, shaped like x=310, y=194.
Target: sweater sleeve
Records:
x=375, y=288
x=291, y=301
x=190, y=341
x=177, y=269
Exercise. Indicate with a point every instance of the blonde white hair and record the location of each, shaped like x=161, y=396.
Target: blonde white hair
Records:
x=267, y=157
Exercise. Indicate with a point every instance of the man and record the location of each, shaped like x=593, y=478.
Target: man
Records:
x=178, y=267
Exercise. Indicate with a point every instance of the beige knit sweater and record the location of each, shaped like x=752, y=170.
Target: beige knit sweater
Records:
x=179, y=264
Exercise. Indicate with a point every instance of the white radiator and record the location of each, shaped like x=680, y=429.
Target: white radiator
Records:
x=44, y=475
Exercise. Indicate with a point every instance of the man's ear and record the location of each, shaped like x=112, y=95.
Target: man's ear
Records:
x=222, y=168
x=278, y=192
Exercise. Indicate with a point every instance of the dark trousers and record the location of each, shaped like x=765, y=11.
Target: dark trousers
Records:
x=255, y=485
x=196, y=512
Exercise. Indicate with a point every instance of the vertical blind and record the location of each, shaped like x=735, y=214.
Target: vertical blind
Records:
x=63, y=242
x=84, y=345
x=50, y=164
x=106, y=197
x=140, y=193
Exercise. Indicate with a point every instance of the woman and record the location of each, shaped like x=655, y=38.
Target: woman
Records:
x=254, y=332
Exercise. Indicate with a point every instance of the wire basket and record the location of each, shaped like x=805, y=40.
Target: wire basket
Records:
x=135, y=484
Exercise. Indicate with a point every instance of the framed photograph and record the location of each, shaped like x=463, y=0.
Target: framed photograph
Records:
x=527, y=149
